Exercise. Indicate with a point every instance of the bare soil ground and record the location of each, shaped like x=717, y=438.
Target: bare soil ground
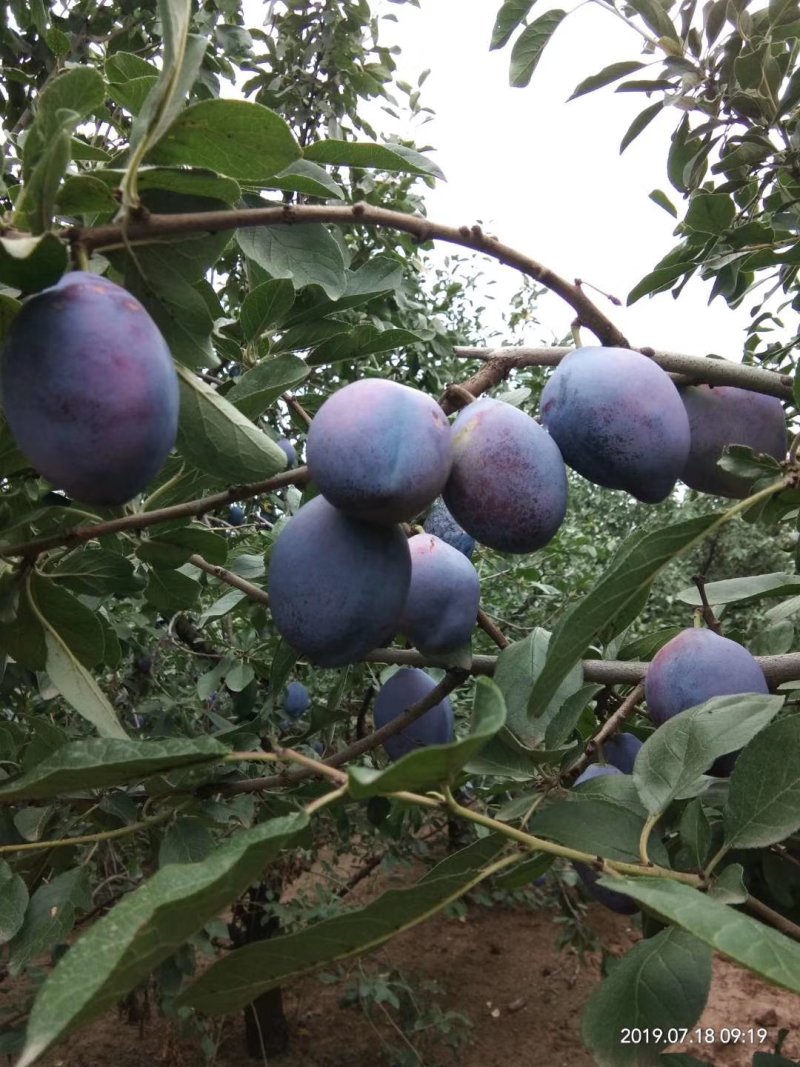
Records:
x=499, y=966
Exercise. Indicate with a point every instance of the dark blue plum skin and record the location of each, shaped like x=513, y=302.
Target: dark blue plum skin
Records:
x=336, y=585
x=723, y=415
x=442, y=604
x=442, y=524
x=295, y=700
x=696, y=666
x=405, y=688
x=621, y=751
x=236, y=515
x=617, y=902
x=286, y=446
x=89, y=389
x=618, y=420
x=380, y=451
x=508, y=484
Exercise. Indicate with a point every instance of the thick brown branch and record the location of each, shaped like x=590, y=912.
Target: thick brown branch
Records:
x=499, y=362
x=138, y=231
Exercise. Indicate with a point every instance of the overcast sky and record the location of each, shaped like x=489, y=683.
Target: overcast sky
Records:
x=546, y=176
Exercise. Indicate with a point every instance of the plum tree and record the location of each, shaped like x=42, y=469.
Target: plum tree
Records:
x=617, y=902
x=440, y=522
x=89, y=389
x=380, y=451
x=236, y=515
x=405, y=688
x=695, y=666
x=325, y=570
x=723, y=415
x=295, y=700
x=621, y=751
x=288, y=449
x=618, y=420
x=508, y=484
x=442, y=604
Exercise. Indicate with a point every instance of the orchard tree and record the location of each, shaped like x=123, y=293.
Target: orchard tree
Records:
x=279, y=568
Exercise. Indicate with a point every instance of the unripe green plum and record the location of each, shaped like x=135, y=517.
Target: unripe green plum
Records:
x=695, y=666
x=618, y=420
x=508, y=484
x=405, y=688
x=442, y=604
x=379, y=451
x=723, y=415
x=89, y=388
x=337, y=585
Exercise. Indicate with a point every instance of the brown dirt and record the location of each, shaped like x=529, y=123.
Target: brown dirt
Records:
x=498, y=966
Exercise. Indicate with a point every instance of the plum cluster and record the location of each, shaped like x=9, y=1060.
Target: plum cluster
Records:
x=89, y=389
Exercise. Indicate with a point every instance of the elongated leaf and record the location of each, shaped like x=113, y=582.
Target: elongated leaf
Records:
x=13, y=902
x=391, y=158
x=609, y=74
x=630, y=575
x=764, y=798
x=686, y=745
x=215, y=436
x=244, y=140
x=530, y=45
x=436, y=763
x=744, y=940
x=98, y=763
x=79, y=688
x=50, y=917
x=743, y=590
x=243, y=975
x=655, y=18
x=661, y=984
x=97, y=572
x=508, y=18
x=640, y=123
x=74, y=625
x=126, y=944
x=266, y=306
x=261, y=386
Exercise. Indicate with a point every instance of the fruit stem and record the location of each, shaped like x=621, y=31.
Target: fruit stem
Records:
x=650, y=822
x=712, y=863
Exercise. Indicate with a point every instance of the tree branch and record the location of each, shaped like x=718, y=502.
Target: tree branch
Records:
x=138, y=231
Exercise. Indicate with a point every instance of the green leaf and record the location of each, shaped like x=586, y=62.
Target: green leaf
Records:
x=743, y=590
x=639, y=560
x=746, y=941
x=130, y=80
x=307, y=254
x=390, y=158
x=13, y=902
x=359, y=342
x=97, y=572
x=510, y=15
x=606, y=76
x=125, y=945
x=640, y=123
x=245, y=974
x=256, y=390
x=660, y=984
x=32, y=263
x=436, y=763
x=695, y=832
x=84, y=194
x=518, y=666
x=49, y=918
x=186, y=841
x=659, y=197
x=530, y=45
x=215, y=436
x=710, y=213
x=79, y=688
x=655, y=18
x=98, y=763
x=265, y=307
x=171, y=591
x=172, y=548
x=685, y=746
x=764, y=798
x=67, y=618
x=305, y=177
x=239, y=138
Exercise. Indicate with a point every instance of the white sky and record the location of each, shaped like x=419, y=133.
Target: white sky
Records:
x=546, y=176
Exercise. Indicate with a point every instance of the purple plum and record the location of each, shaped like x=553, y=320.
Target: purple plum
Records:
x=442, y=605
x=405, y=688
x=621, y=751
x=295, y=700
x=441, y=523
